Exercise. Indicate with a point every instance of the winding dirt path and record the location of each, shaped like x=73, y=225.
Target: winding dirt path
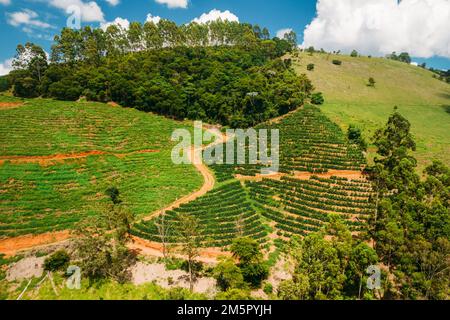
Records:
x=208, y=177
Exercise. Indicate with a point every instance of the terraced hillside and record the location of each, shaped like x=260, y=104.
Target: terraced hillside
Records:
x=298, y=207
x=422, y=99
x=298, y=200
x=58, y=158
x=309, y=142
x=224, y=214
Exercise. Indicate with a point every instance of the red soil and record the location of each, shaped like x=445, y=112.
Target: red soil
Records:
x=352, y=175
x=45, y=160
x=10, y=105
x=12, y=246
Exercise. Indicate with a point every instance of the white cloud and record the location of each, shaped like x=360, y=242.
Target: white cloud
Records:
x=154, y=19
x=378, y=27
x=6, y=67
x=90, y=11
x=281, y=33
x=214, y=15
x=26, y=18
x=113, y=2
x=5, y=2
x=121, y=22
x=174, y=3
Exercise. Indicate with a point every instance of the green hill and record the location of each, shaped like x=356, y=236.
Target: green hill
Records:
x=58, y=158
x=422, y=99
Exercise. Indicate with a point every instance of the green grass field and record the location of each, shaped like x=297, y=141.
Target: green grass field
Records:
x=38, y=197
x=101, y=290
x=422, y=99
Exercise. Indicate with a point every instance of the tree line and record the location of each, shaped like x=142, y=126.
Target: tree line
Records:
x=408, y=236
x=223, y=72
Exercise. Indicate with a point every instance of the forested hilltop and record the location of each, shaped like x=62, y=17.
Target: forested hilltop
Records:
x=222, y=72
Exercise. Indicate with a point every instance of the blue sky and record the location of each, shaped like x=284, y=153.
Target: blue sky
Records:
x=335, y=24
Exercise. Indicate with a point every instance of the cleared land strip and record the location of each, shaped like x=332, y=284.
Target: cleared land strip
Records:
x=11, y=246
x=154, y=249
x=44, y=160
x=352, y=175
x=10, y=105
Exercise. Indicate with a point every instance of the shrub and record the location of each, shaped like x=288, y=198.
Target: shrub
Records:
x=268, y=288
x=317, y=98
x=4, y=84
x=337, y=62
x=246, y=250
x=255, y=273
x=65, y=89
x=354, y=134
x=114, y=194
x=310, y=67
x=234, y=294
x=251, y=261
x=371, y=82
x=26, y=88
x=197, y=267
x=57, y=261
x=228, y=275
x=354, y=54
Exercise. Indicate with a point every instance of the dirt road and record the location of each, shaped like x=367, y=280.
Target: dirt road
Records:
x=352, y=175
x=12, y=246
x=208, y=177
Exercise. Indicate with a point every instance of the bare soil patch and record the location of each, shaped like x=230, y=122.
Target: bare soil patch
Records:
x=145, y=273
x=10, y=105
x=25, y=269
x=154, y=249
x=46, y=160
x=12, y=246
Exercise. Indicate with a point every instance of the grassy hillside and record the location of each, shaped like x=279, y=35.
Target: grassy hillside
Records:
x=58, y=158
x=419, y=97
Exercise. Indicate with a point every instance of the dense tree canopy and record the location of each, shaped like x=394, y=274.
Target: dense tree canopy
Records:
x=411, y=227
x=223, y=72
x=330, y=264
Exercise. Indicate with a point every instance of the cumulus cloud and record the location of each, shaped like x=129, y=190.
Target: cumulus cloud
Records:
x=121, y=22
x=90, y=11
x=26, y=18
x=174, y=3
x=154, y=19
x=379, y=27
x=281, y=33
x=6, y=67
x=214, y=15
x=5, y=2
